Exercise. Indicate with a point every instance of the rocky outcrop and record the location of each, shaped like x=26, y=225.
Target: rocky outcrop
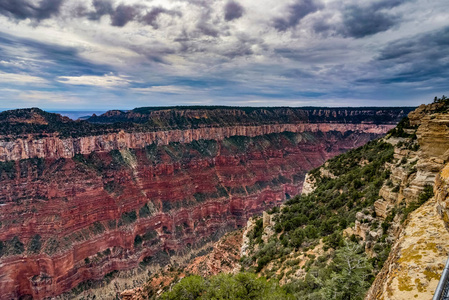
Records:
x=224, y=257
x=421, y=247
x=246, y=243
x=442, y=194
x=309, y=184
x=382, y=207
x=433, y=136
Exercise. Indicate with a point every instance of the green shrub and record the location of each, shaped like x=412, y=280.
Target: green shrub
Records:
x=149, y=235
x=52, y=246
x=35, y=244
x=426, y=194
x=398, y=131
x=242, y=286
x=166, y=205
x=255, y=235
x=137, y=241
x=16, y=245
x=2, y=248
x=97, y=228
x=144, y=211
x=128, y=218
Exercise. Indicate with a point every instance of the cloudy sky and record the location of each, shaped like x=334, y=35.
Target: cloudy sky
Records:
x=103, y=54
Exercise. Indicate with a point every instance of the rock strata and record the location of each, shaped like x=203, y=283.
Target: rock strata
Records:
x=54, y=147
x=421, y=246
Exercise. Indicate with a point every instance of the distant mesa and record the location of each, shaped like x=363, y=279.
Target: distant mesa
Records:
x=34, y=121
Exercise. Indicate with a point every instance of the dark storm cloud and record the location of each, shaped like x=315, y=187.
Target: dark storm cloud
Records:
x=123, y=14
x=49, y=60
x=387, y=4
x=233, y=10
x=205, y=24
x=150, y=18
x=29, y=9
x=362, y=21
x=359, y=22
x=324, y=26
x=417, y=59
x=102, y=7
x=295, y=13
x=432, y=45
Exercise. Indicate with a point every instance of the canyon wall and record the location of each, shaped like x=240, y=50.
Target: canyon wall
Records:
x=421, y=246
x=76, y=209
x=56, y=147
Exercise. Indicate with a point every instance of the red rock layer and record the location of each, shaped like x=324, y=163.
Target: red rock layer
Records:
x=68, y=220
x=55, y=147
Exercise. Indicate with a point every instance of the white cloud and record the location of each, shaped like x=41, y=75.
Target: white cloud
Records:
x=21, y=79
x=47, y=97
x=169, y=89
x=105, y=81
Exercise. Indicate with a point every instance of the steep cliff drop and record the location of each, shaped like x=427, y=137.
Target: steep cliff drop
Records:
x=80, y=200
x=420, y=250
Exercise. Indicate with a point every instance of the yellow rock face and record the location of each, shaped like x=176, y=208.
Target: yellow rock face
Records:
x=441, y=194
x=417, y=258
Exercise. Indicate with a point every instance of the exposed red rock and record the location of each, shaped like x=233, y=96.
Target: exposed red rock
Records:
x=68, y=218
x=223, y=258
x=56, y=147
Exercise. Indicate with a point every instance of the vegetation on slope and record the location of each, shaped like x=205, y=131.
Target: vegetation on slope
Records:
x=243, y=286
x=351, y=185
x=398, y=131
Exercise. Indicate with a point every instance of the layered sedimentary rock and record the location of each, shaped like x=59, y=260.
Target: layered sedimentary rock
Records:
x=76, y=208
x=56, y=147
x=421, y=247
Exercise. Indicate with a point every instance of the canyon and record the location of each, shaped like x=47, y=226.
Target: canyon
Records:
x=81, y=200
x=398, y=224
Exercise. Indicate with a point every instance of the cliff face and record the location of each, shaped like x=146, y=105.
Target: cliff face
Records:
x=421, y=246
x=56, y=147
x=217, y=116
x=78, y=208
x=416, y=260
